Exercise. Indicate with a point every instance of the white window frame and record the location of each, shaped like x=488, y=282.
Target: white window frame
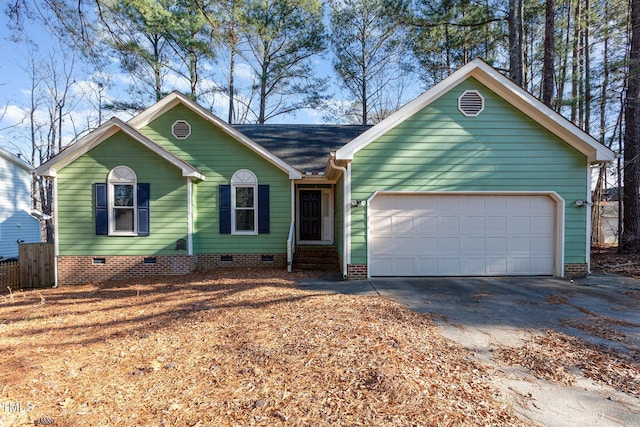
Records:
x=244, y=178
x=122, y=175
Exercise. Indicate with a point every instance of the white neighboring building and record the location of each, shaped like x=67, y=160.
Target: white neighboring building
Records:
x=18, y=221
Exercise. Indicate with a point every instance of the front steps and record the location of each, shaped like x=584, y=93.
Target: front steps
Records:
x=316, y=258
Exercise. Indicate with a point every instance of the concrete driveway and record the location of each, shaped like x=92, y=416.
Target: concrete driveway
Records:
x=484, y=314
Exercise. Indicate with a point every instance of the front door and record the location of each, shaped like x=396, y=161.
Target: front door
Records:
x=310, y=215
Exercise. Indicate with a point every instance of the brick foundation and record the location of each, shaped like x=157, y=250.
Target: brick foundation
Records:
x=356, y=271
x=88, y=269
x=212, y=261
x=359, y=271
x=575, y=270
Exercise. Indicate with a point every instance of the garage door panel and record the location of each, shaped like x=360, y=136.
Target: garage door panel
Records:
x=404, y=244
x=450, y=235
x=424, y=265
x=474, y=225
x=496, y=224
x=472, y=265
x=496, y=245
x=472, y=245
x=448, y=205
x=449, y=244
x=381, y=224
x=449, y=267
x=519, y=224
x=403, y=224
x=497, y=266
x=426, y=224
x=449, y=224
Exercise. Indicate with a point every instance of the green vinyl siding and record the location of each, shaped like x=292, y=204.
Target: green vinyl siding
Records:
x=218, y=156
x=439, y=149
x=76, y=220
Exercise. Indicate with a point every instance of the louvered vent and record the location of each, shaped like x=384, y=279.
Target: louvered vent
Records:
x=181, y=129
x=471, y=103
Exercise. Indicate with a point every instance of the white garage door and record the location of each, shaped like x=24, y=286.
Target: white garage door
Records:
x=461, y=235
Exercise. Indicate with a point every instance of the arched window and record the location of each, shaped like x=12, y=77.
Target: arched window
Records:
x=122, y=204
x=122, y=201
x=244, y=202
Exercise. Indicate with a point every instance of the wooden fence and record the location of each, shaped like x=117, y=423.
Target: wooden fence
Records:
x=37, y=265
x=9, y=275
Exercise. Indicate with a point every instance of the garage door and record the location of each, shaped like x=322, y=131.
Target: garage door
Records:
x=461, y=235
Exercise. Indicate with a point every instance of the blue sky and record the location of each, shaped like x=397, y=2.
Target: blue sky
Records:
x=46, y=52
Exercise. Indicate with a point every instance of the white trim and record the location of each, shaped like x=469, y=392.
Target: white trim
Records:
x=175, y=98
x=347, y=219
x=327, y=224
x=503, y=87
x=560, y=210
x=189, y=216
x=101, y=134
x=113, y=181
x=244, y=178
x=293, y=202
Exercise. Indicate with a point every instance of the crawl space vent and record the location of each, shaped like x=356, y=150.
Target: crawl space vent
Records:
x=181, y=129
x=471, y=103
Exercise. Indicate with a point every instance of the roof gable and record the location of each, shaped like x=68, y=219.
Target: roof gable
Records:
x=504, y=88
x=15, y=160
x=101, y=134
x=176, y=98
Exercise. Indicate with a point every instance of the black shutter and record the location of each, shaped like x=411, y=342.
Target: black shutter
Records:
x=225, y=209
x=263, y=209
x=101, y=208
x=144, y=222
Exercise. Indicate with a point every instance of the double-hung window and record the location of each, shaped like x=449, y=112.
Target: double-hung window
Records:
x=244, y=205
x=122, y=204
x=244, y=201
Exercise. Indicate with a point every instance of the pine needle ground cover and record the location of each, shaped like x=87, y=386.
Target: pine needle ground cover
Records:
x=231, y=348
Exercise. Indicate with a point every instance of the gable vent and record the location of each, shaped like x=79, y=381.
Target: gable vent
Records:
x=181, y=129
x=471, y=103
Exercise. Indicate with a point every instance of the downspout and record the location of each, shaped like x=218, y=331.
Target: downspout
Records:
x=292, y=226
x=346, y=242
x=589, y=208
x=56, y=230
x=189, y=216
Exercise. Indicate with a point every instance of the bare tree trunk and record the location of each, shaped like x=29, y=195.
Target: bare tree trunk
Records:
x=231, y=93
x=596, y=210
x=575, y=64
x=515, y=41
x=631, y=233
x=587, y=67
x=564, y=64
x=549, y=53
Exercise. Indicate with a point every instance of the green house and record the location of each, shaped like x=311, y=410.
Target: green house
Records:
x=475, y=177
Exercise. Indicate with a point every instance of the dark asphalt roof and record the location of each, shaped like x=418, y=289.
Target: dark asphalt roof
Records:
x=305, y=147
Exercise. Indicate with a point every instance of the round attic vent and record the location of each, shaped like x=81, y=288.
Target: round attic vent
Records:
x=471, y=103
x=181, y=129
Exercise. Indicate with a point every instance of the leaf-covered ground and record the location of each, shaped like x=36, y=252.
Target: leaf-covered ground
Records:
x=232, y=347
x=607, y=260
